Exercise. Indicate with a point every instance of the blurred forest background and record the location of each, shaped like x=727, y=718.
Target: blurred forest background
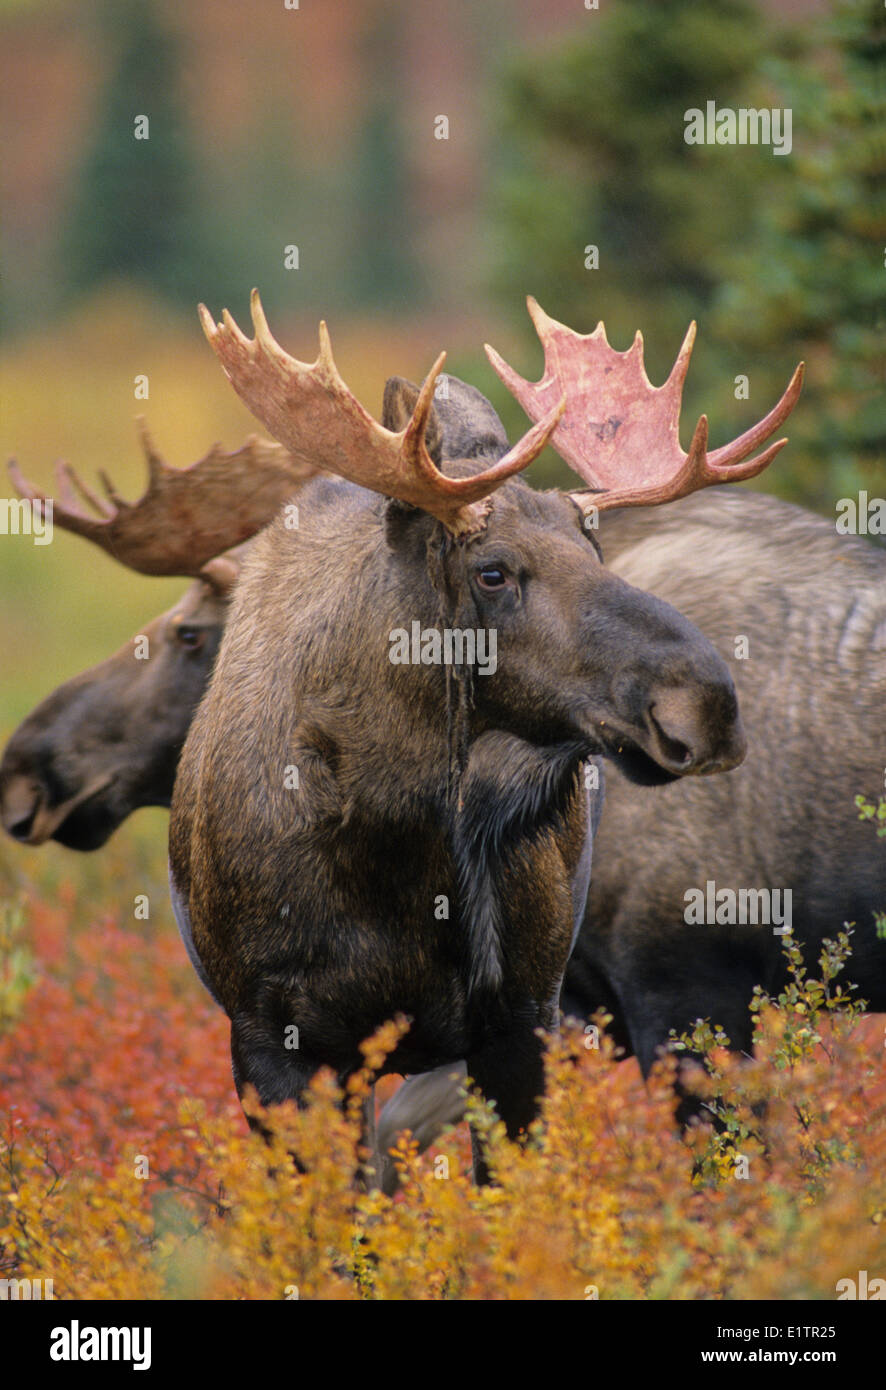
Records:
x=316, y=127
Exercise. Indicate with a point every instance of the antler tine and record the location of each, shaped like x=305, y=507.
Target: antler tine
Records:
x=67, y=480
x=65, y=510
x=416, y=430
x=681, y=365
x=619, y=432
x=310, y=410
x=152, y=457
x=21, y=484
x=745, y=443
x=187, y=516
x=111, y=491
x=515, y=383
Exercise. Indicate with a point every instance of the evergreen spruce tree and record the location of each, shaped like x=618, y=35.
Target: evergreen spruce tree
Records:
x=813, y=276
x=134, y=210
x=594, y=155
x=778, y=257
x=383, y=261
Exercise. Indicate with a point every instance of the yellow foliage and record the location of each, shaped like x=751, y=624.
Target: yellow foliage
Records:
x=600, y=1201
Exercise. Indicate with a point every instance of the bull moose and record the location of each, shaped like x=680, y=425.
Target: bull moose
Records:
x=738, y=562
x=352, y=838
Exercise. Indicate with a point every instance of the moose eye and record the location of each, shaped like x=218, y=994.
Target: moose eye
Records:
x=491, y=577
x=190, y=637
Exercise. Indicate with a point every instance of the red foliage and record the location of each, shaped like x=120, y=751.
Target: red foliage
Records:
x=114, y=1034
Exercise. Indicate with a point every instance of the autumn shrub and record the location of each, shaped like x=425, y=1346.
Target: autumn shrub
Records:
x=876, y=815
x=127, y=1169
x=16, y=964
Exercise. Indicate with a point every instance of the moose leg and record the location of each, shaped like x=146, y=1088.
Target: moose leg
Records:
x=722, y=993
x=651, y=1016
x=424, y=1104
x=509, y=1071
x=261, y=1059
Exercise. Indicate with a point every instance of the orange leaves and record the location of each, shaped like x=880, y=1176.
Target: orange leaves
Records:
x=127, y=1170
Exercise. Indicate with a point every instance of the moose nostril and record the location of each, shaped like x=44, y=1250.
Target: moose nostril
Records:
x=698, y=735
x=20, y=800
x=673, y=719
x=674, y=749
x=21, y=829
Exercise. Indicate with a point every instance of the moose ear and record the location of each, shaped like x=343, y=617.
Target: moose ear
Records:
x=471, y=428
x=399, y=402
x=406, y=528
x=221, y=574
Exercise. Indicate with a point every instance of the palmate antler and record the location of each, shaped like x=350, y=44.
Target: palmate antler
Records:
x=622, y=434
x=309, y=408
x=187, y=515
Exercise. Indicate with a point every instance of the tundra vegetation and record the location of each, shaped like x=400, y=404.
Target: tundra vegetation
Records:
x=605, y=1201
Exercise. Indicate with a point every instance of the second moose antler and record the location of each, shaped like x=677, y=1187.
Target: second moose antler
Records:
x=622, y=434
x=187, y=516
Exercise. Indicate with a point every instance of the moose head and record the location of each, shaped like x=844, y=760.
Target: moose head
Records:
x=109, y=740
x=579, y=656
